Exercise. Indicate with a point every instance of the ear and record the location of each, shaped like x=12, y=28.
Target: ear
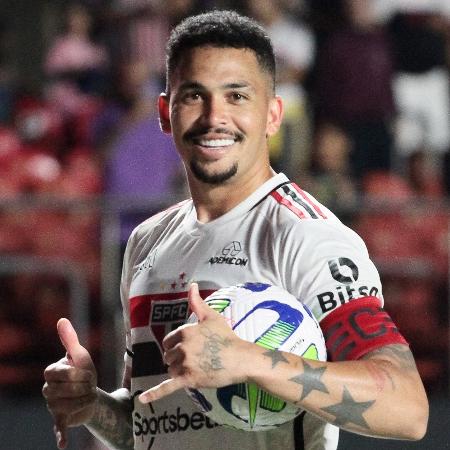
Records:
x=164, y=116
x=274, y=115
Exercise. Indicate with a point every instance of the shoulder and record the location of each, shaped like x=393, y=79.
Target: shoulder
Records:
x=146, y=230
x=296, y=209
x=295, y=212
x=290, y=197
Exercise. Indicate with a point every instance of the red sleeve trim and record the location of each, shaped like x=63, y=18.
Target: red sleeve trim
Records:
x=357, y=328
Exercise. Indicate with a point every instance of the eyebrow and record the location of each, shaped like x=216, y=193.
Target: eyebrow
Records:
x=234, y=85
x=238, y=85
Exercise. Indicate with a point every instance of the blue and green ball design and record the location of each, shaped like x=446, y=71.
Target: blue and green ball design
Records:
x=246, y=406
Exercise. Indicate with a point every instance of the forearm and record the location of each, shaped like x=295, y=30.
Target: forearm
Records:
x=378, y=396
x=112, y=419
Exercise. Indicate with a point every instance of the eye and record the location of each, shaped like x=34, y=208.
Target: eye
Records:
x=237, y=97
x=191, y=97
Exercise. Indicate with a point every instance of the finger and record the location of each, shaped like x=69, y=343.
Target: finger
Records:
x=60, y=407
x=174, y=337
x=197, y=304
x=163, y=389
x=172, y=355
x=67, y=390
x=60, y=430
x=68, y=336
x=61, y=372
x=76, y=352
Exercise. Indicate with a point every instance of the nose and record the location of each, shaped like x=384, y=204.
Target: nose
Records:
x=214, y=112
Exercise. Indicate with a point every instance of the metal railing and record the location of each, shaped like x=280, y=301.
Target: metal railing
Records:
x=110, y=211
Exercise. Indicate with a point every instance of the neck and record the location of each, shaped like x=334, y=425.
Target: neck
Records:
x=212, y=201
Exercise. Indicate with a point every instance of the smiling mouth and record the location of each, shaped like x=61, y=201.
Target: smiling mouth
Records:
x=218, y=138
x=214, y=143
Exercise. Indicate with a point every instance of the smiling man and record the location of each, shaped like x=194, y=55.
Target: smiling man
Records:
x=220, y=107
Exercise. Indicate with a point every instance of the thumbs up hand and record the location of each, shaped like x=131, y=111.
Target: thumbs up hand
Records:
x=70, y=387
x=205, y=354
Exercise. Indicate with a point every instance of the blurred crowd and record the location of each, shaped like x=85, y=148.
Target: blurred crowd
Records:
x=365, y=85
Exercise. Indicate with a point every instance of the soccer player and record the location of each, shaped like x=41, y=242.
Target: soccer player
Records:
x=244, y=223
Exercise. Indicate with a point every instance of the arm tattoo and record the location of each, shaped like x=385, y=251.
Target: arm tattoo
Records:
x=310, y=379
x=209, y=357
x=349, y=411
x=276, y=357
x=112, y=423
x=398, y=353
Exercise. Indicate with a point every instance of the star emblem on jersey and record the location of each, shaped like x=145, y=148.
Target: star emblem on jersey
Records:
x=310, y=380
x=349, y=411
x=276, y=357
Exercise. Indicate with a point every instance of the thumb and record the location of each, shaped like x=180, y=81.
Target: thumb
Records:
x=197, y=304
x=76, y=353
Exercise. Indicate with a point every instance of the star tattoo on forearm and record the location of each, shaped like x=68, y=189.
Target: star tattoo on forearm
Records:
x=276, y=357
x=310, y=379
x=349, y=411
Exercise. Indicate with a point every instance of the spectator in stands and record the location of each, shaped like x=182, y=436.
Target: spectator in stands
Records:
x=421, y=84
x=353, y=86
x=74, y=57
x=332, y=182
x=145, y=27
x=294, y=46
x=141, y=162
x=77, y=75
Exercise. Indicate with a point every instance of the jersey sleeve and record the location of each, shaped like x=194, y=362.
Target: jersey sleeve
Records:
x=328, y=266
x=124, y=296
x=335, y=278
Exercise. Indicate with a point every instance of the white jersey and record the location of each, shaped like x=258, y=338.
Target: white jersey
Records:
x=278, y=235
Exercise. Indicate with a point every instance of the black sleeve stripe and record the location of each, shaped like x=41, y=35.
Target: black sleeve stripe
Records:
x=299, y=435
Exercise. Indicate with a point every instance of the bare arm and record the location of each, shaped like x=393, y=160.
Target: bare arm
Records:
x=355, y=395
x=111, y=422
x=358, y=396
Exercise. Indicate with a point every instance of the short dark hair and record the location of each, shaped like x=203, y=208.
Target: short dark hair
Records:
x=219, y=29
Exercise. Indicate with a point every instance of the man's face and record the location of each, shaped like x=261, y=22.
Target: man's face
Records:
x=220, y=112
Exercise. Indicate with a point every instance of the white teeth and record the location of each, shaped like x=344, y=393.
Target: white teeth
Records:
x=216, y=142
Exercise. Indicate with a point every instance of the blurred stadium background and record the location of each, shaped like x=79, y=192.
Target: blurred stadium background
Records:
x=366, y=87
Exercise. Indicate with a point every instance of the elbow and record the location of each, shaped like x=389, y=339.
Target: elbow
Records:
x=418, y=420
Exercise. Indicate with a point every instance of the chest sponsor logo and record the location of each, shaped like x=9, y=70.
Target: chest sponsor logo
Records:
x=150, y=426
x=346, y=272
x=232, y=254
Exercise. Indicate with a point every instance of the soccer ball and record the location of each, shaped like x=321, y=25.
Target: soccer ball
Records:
x=274, y=319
